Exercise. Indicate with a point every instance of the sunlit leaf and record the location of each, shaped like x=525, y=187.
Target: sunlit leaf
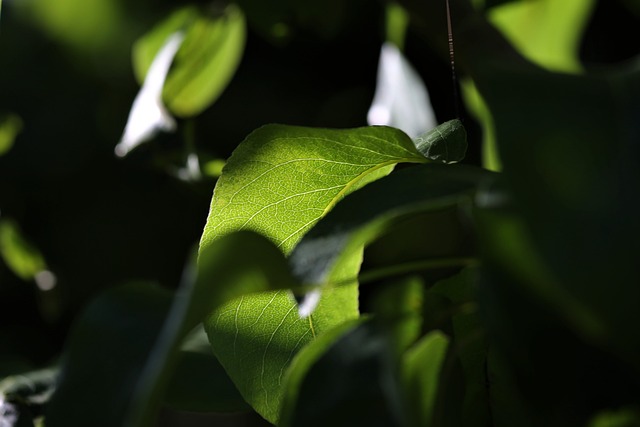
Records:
x=279, y=182
x=212, y=49
x=369, y=213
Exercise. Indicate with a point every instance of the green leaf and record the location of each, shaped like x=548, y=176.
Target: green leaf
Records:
x=207, y=59
x=97, y=24
x=199, y=383
x=108, y=347
x=548, y=33
x=575, y=183
x=397, y=306
x=10, y=127
x=304, y=361
x=370, y=212
x=623, y=417
x=282, y=179
x=469, y=343
x=421, y=367
x=279, y=182
x=445, y=143
x=125, y=348
x=350, y=380
x=397, y=21
x=569, y=149
x=234, y=266
x=24, y=259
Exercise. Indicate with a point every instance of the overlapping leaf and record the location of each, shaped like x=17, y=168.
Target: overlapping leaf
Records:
x=279, y=182
x=126, y=348
x=369, y=212
x=206, y=61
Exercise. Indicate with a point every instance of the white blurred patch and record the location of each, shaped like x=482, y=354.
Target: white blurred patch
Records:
x=401, y=99
x=148, y=114
x=8, y=414
x=191, y=171
x=309, y=303
x=45, y=280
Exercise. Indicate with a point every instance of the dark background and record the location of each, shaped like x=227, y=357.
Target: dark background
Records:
x=102, y=221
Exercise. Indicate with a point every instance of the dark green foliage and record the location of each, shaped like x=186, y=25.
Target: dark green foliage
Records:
x=345, y=276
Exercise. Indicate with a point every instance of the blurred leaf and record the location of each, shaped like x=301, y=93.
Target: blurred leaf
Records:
x=421, y=368
x=626, y=417
x=125, y=349
x=303, y=361
x=571, y=168
x=478, y=108
x=446, y=143
x=10, y=127
x=397, y=21
x=24, y=259
x=351, y=380
x=468, y=343
x=233, y=266
x=370, y=212
x=280, y=21
x=206, y=61
x=507, y=243
x=108, y=347
x=397, y=306
x=213, y=168
x=24, y=396
x=547, y=33
x=279, y=182
x=585, y=208
x=86, y=25
x=199, y=383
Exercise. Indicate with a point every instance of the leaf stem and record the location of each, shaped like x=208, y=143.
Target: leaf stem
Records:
x=413, y=267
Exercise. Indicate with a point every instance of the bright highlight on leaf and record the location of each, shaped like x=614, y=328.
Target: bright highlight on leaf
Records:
x=148, y=114
x=369, y=213
x=446, y=143
x=279, y=182
x=401, y=99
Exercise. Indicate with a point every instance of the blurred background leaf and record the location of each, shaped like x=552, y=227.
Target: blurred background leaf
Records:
x=212, y=49
x=10, y=127
x=20, y=256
